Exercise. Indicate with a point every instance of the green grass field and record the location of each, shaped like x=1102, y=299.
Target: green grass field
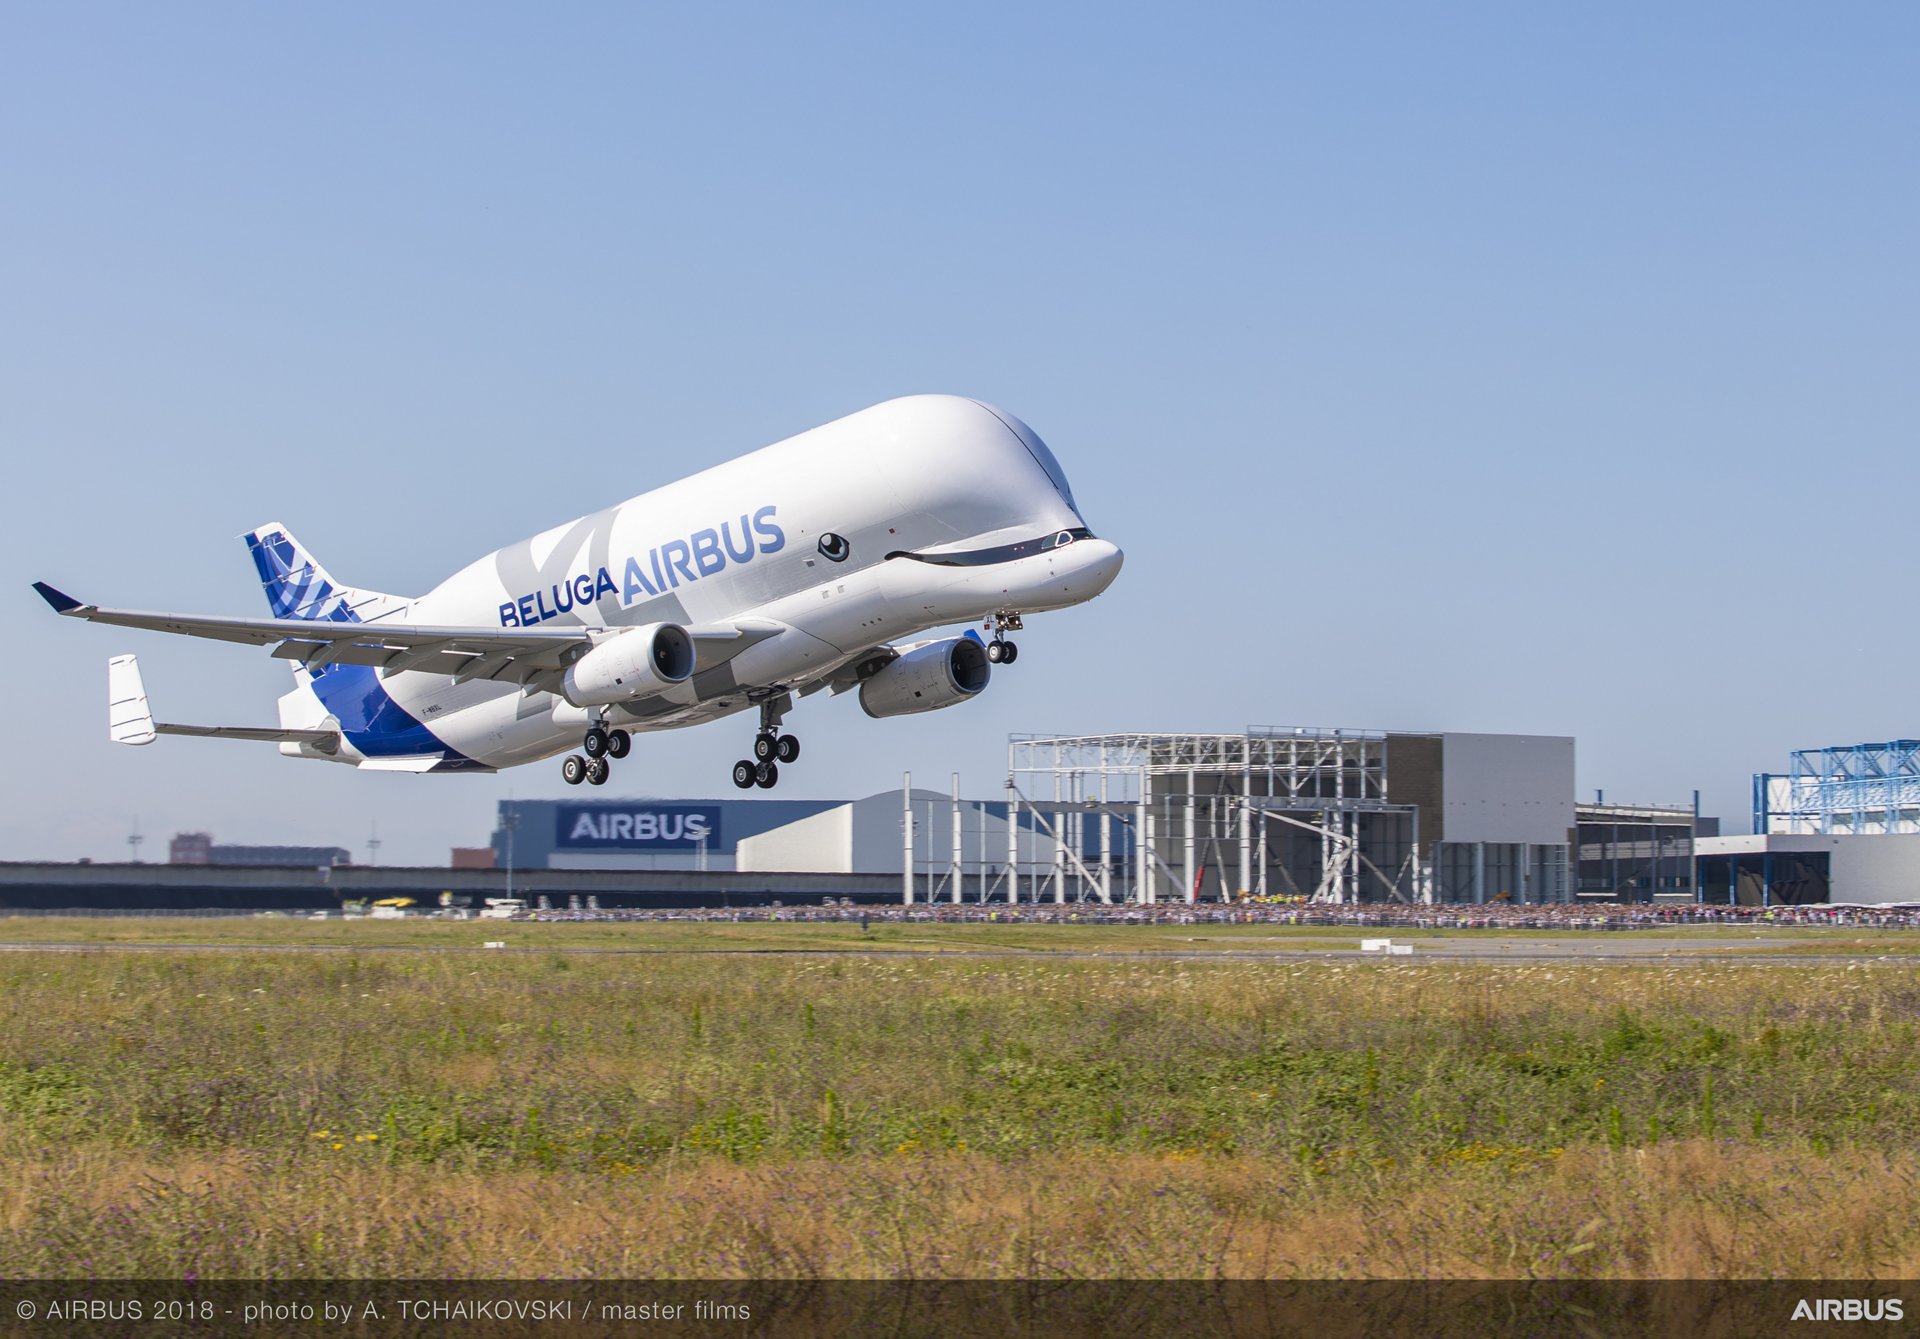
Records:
x=1013, y=1112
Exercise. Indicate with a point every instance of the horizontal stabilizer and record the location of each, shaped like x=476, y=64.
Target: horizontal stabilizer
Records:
x=324, y=740
x=130, y=719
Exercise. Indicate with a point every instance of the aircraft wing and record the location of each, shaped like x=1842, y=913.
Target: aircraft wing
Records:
x=535, y=657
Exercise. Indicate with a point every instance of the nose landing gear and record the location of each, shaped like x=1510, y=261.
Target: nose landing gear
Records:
x=1002, y=651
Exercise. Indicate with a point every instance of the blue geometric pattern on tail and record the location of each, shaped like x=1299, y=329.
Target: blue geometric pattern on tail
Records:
x=298, y=587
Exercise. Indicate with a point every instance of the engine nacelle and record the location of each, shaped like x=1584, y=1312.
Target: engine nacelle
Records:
x=637, y=663
x=933, y=676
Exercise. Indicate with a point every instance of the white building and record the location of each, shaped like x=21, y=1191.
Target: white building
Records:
x=1780, y=869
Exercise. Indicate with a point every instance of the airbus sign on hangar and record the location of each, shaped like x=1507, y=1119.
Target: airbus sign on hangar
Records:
x=638, y=834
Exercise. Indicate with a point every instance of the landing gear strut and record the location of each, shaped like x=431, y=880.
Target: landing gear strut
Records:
x=770, y=748
x=600, y=745
x=1000, y=650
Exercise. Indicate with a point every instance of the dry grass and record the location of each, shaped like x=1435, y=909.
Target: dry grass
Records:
x=1685, y=1210
x=405, y=1115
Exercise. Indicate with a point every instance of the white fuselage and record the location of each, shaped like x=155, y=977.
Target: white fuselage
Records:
x=793, y=539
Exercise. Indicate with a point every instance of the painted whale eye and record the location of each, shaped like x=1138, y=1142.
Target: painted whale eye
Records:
x=835, y=547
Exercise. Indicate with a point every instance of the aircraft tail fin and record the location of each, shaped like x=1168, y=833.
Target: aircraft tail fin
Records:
x=297, y=586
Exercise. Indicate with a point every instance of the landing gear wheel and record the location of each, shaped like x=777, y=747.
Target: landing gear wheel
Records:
x=595, y=743
x=1010, y=654
x=597, y=772
x=619, y=744
x=743, y=772
x=997, y=651
x=763, y=747
x=767, y=776
x=574, y=770
x=787, y=749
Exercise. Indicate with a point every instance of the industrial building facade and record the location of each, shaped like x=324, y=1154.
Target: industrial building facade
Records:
x=1270, y=814
x=1327, y=815
x=1849, y=790
x=1324, y=815
x=1842, y=824
x=1637, y=853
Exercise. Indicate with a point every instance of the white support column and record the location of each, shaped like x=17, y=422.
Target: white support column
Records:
x=956, y=863
x=1059, y=840
x=980, y=850
x=1479, y=873
x=906, y=839
x=1106, y=836
x=1013, y=844
x=1353, y=856
x=1422, y=891
x=1264, y=861
x=1326, y=854
x=1187, y=869
x=1246, y=829
x=1142, y=845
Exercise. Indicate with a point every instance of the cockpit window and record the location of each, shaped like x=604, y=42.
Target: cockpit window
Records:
x=1003, y=553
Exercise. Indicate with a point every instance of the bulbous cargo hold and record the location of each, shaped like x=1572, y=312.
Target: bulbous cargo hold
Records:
x=637, y=663
x=927, y=678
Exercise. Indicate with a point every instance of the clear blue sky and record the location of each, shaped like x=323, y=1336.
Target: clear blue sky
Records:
x=1491, y=367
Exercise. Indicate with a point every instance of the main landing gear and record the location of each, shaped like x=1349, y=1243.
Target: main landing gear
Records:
x=600, y=745
x=770, y=749
x=1000, y=650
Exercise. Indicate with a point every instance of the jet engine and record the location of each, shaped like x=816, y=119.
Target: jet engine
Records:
x=636, y=663
x=927, y=678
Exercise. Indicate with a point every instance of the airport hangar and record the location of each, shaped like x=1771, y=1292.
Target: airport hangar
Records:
x=1281, y=814
x=1333, y=814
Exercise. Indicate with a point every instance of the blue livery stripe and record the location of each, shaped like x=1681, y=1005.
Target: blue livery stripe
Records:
x=354, y=695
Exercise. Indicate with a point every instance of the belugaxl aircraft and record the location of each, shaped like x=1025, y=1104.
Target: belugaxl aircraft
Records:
x=798, y=567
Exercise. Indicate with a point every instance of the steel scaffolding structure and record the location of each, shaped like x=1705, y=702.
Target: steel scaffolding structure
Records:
x=1300, y=812
x=1850, y=789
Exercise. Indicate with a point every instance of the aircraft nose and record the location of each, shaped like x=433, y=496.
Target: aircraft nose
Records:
x=1103, y=561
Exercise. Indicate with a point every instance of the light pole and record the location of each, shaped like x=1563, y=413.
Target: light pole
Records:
x=509, y=820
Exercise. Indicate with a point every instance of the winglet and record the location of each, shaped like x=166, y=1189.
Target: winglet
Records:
x=62, y=602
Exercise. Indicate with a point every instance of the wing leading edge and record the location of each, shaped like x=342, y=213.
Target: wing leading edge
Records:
x=535, y=658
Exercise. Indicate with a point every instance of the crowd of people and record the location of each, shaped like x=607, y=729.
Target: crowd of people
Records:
x=1364, y=915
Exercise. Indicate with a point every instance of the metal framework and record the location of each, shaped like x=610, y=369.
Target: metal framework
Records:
x=1850, y=789
x=1297, y=813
